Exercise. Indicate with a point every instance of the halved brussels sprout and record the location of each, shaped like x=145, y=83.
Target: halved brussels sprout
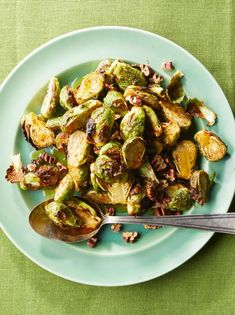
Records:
x=175, y=91
x=54, y=123
x=99, y=126
x=98, y=197
x=156, y=89
x=198, y=109
x=116, y=101
x=141, y=93
x=184, y=158
x=179, y=197
x=78, y=149
x=175, y=113
x=171, y=133
x=156, y=146
x=107, y=168
x=51, y=99
x=67, y=99
x=111, y=149
x=126, y=75
x=90, y=88
x=133, y=151
x=104, y=66
x=76, y=117
x=200, y=184
x=61, y=141
x=132, y=124
x=80, y=176
x=36, y=132
x=210, y=145
x=134, y=199
x=152, y=120
x=65, y=189
x=62, y=215
x=30, y=181
x=146, y=171
x=15, y=172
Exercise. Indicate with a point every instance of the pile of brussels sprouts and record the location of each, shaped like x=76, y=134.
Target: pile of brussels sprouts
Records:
x=120, y=131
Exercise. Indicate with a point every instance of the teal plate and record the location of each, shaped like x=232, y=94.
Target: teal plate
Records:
x=113, y=262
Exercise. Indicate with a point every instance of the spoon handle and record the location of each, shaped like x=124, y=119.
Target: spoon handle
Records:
x=223, y=223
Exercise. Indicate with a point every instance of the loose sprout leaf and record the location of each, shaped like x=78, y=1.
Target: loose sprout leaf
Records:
x=51, y=100
x=198, y=109
x=175, y=91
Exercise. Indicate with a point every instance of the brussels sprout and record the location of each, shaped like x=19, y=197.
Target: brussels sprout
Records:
x=111, y=148
x=133, y=151
x=78, y=149
x=76, y=117
x=175, y=113
x=156, y=146
x=30, y=181
x=51, y=99
x=198, y=109
x=184, y=158
x=179, y=198
x=36, y=132
x=80, y=176
x=175, y=91
x=142, y=94
x=65, y=189
x=61, y=141
x=134, y=199
x=67, y=99
x=156, y=89
x=85, y=212
x=90, y=88
x=126, y=75
x=15, y=172
x=146, y=171
x=99, y=126
x=54, y=123
x=171, y=133
x=62, y=215
x=98, y=197
x=132, y=124
x=210, y=145
x=104, y=66
x=200, y=184
x=116, y=101
x=107, y=168
x=152, y=120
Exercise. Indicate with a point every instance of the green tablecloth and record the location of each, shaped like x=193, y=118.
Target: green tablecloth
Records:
x=206, y=283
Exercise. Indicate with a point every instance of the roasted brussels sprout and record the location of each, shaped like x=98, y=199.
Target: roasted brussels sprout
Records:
x=99, y=126
x=90, y=88
x=104, y=66
x=171, y=133
x=132, y=124
x=111, y=149
x=200, y=184
x=126, y=75
x=65, y=189
x=116, y=101
x=184, y=158
x=15, y=171
x=51, y=99
x=62, y=215
x=156, y=146
x=175, y=91
x=67, y=99
x=61, y=141
x=179, y=197
x=150, y=180
x=98, y=197
x=134, y=199
x=175, y=113
x=107, y=168
x=138, y=95
x=156, y=89
x=36, y=132
x=30, y=181
x=133, y=151
x=54, y=123
x=80, y=176
x=152, y=121
x=78, y=149
x=198, y=109
x=210, y=145
x=76, y=117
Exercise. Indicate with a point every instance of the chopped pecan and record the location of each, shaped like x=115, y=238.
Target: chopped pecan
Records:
x=134, y=100
x=116, y=227
x=146, y=70
x=150, y=227
x=62, y=169
x=13, y=175
x=110, y=211
x=167, y=65
x=158, y=163
x=151, y=190
x=170, y=175
x=130, y=237
x=51, y=159
x=92, y=241
x=156, y=78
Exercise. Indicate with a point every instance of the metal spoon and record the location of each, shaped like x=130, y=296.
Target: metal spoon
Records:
x=40, y=222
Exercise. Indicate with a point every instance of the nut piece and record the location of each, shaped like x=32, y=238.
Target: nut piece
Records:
x=184, y=158
x=116, y=227
x=150, y=227
x=92, y=241
x=167, y=65
x=15, y=172
x=130, y=237
x=210, y=145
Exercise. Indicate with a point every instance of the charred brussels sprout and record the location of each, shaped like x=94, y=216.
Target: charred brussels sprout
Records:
x=51, y=99
x=76, y=117
x=175, y=91
x=210, y=145
x=78, y=149
x=65, y=189
x=133, y=94
x=179, y=198
x=15, y=171
x=30, y=181
x=61, y=141
x=200, y=184
x=126, y=75
x=107, y=168
x=67, y=99
x=62, y=215
x=184, y=158
x=99, y=126
x=111, y=149
x=171, y=133
x=132, y=124
x=54, y=123
x=152, y=121
x=36, y=132
x=198, y=109
x=116, y=101
x=90, y=88
x=133, y=151
x=80, y=176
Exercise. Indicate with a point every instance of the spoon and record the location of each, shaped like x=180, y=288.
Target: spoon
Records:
x=40, y=222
